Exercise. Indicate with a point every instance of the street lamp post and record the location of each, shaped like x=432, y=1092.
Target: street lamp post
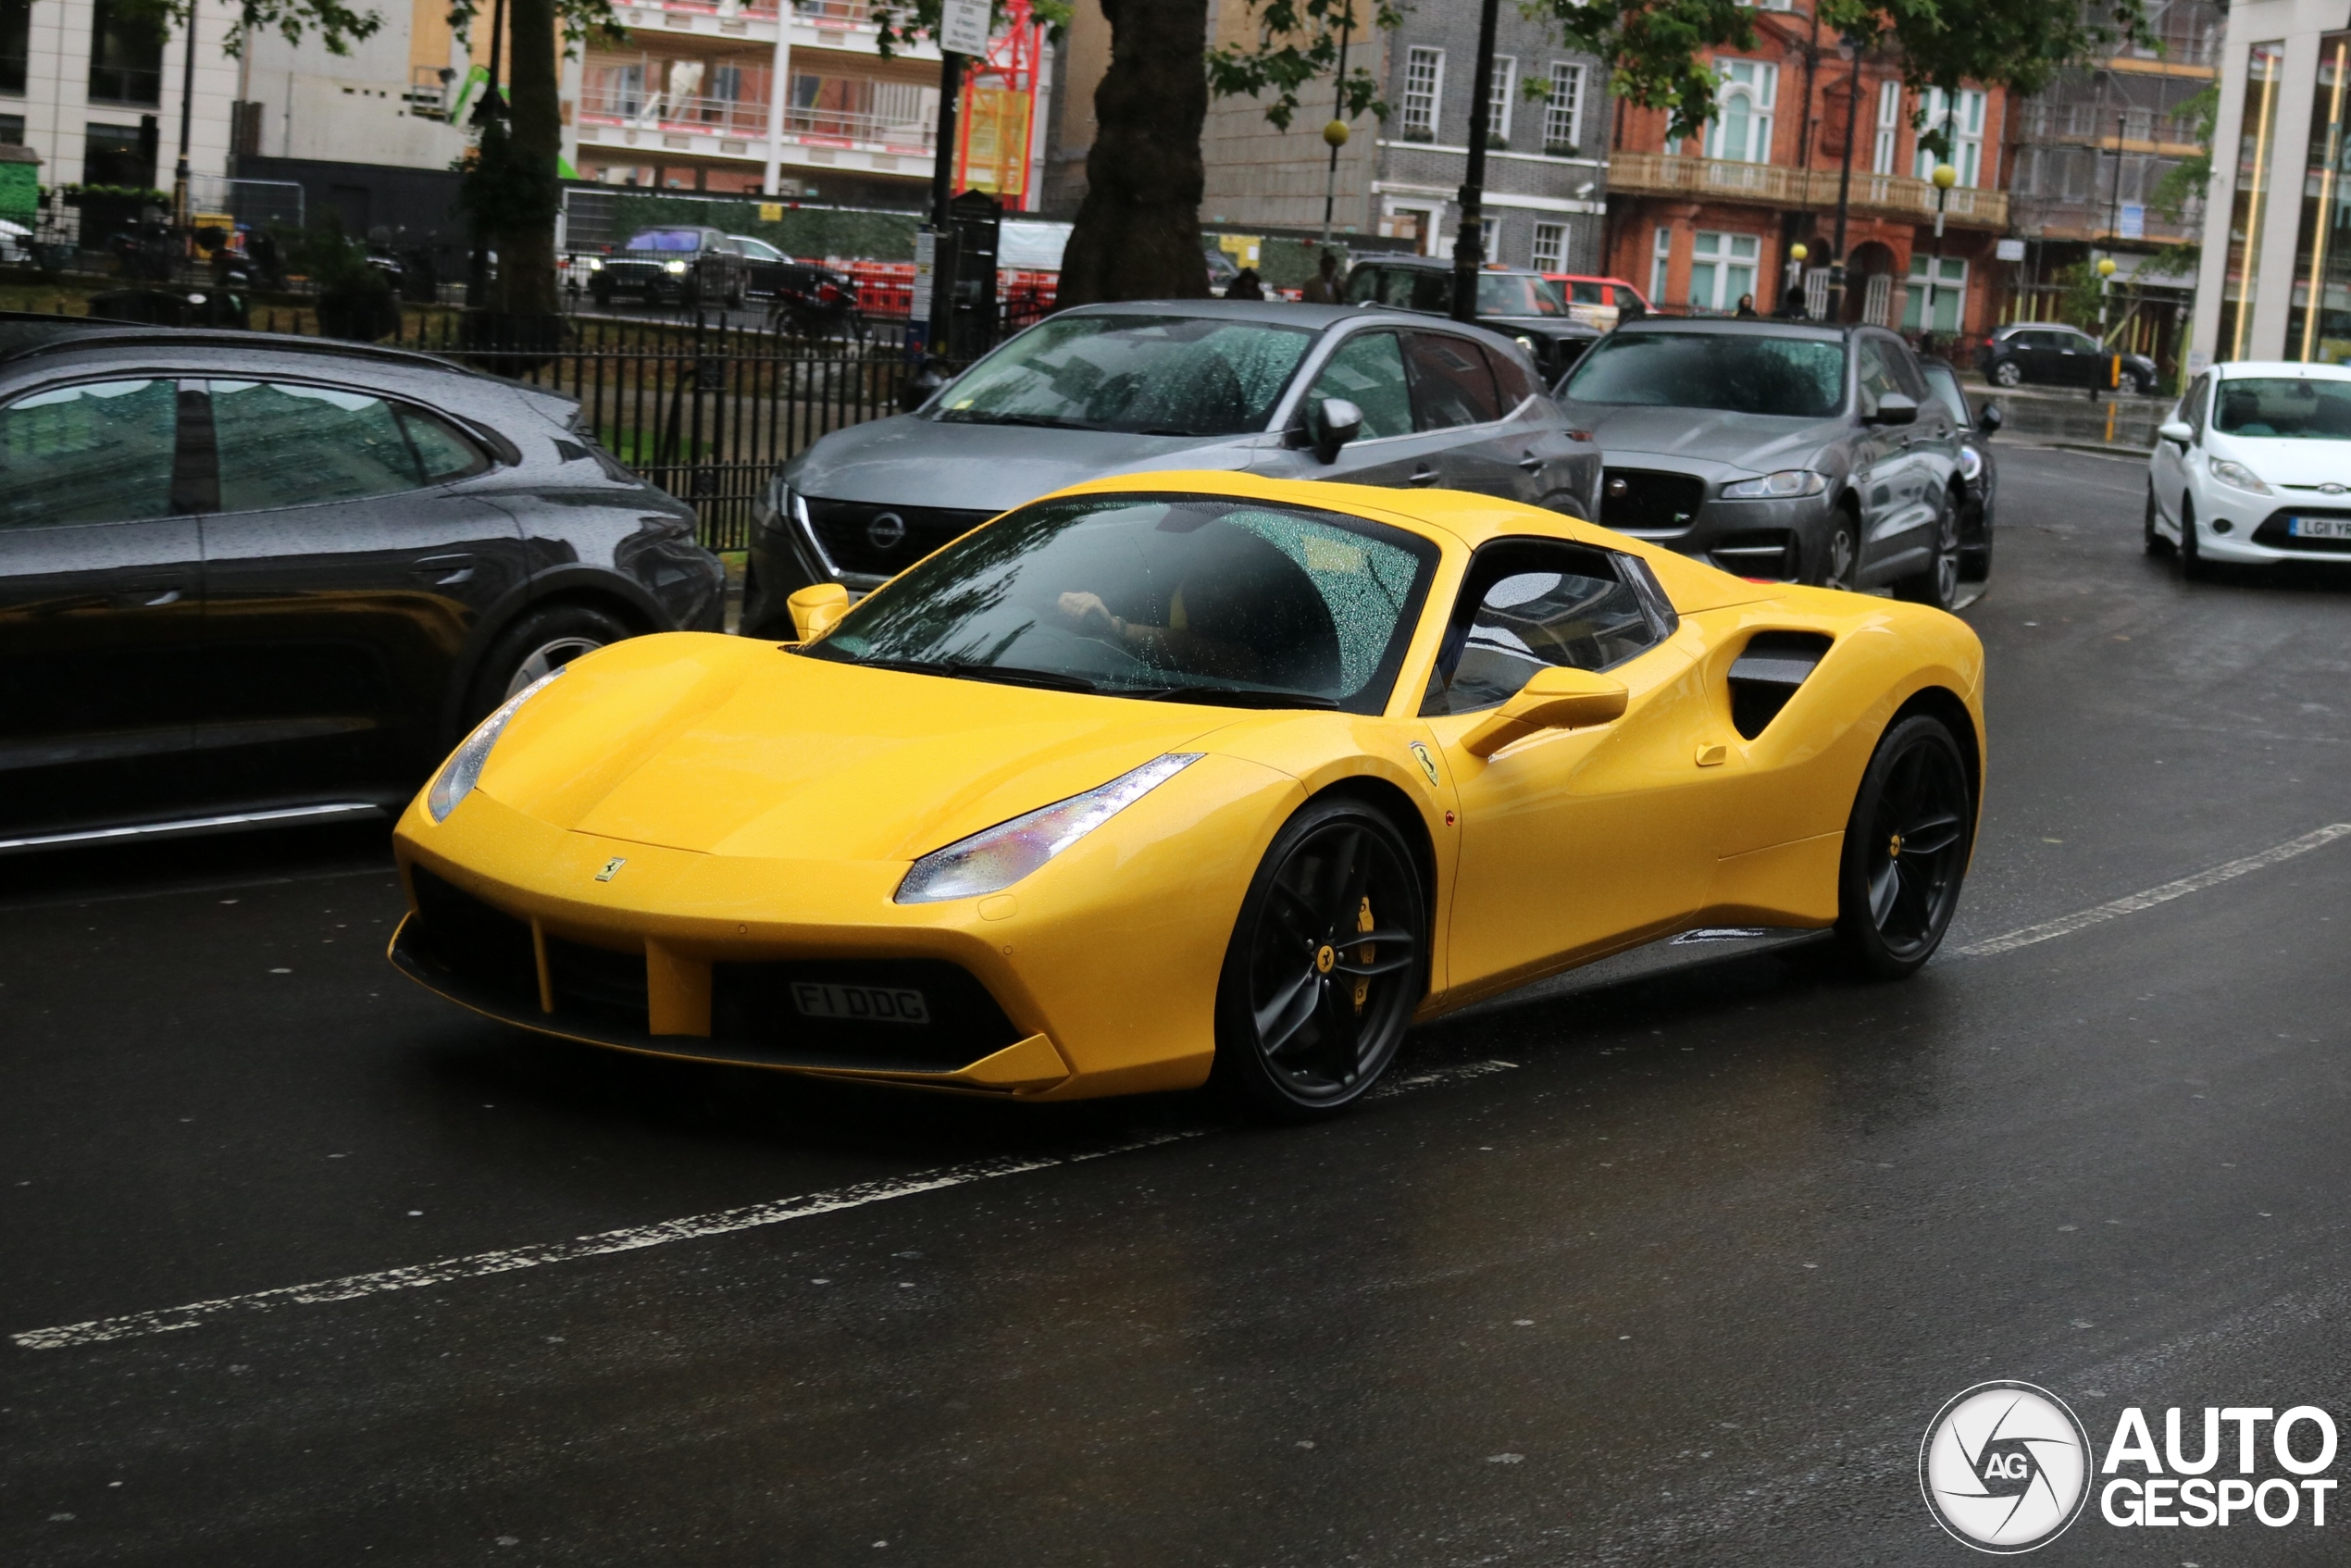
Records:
x=1469, y=240
x=1851, y=46
x=1944, y=178
x=187, y=101
x=1335, y=133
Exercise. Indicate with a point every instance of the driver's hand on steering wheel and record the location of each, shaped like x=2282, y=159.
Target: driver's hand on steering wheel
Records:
x=1091, y=614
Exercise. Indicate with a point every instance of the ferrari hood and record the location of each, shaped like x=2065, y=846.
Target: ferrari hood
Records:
x=907, y=461
x=720, y=746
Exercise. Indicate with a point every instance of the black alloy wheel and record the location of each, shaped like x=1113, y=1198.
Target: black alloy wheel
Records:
x=2156, y=544
x=1905, y=849
x=1938, y=582
x=1840, y=557
x=1327, y=962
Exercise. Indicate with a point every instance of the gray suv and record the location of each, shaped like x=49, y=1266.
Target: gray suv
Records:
x=1370, y=397
x=1777, y=450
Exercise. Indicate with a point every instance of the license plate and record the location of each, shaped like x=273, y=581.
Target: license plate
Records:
x=859, y=1004
x=2318, y=527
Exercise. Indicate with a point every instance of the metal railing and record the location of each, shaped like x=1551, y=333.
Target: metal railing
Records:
x=1816, y=188
x=747, y=119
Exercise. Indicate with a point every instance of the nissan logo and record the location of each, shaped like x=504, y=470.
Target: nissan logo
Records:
x=887, y=532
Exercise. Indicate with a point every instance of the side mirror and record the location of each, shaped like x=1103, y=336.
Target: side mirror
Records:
x=2177, y=431
x=918, y=387
x=1334, y=422
x=816, y=607
x=1554, y=698
x=1894, y=408
x=1989, y=417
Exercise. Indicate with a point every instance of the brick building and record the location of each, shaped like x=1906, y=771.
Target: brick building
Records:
x=1701, y=221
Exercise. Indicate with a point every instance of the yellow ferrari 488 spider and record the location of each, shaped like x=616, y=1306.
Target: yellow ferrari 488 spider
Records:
x=1192, y=776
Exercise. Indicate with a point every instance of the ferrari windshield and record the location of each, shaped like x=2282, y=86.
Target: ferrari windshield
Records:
x=1195, y=598
x=1738, y=372
x=2289, y=407
x=1144, y=375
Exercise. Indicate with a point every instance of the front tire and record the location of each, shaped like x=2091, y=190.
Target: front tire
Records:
x=1905, y=849
x=2007, y=373
x=543, y=641
x=2156, y=544
x=1840, y=555
x=1938, y=582
x=2192, y=562
x=1327, y=962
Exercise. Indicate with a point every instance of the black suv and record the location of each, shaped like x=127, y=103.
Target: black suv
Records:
x=686, y=266
x=2059, y=356
x=249, y=579
x=1511, y=300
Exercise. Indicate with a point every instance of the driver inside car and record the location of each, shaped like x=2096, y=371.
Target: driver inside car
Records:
x=1240, y=610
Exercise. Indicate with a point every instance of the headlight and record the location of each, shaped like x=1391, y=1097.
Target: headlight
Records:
x=2237, y=473
x=457, y=776
x=991, y=861
x=677, y=266
x=1971, y=464
x=1786, y=484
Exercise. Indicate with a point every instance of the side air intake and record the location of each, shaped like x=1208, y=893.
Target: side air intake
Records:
x=1767, y=674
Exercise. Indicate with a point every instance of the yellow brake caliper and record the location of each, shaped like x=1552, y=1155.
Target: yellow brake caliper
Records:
x=1363, y=955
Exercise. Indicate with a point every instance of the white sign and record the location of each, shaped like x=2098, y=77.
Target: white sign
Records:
x=963, y=27
x=925, y=266
x=2008, y=250
x=2135, y=222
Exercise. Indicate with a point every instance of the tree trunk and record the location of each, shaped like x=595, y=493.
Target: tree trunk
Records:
x=1138, y=232
x=526, y=283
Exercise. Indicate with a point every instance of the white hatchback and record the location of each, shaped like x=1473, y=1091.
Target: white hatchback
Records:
x=2255, y=466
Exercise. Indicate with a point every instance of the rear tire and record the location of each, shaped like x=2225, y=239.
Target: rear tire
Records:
x=1905, y=849
x=1327, y=962
x=541, y=641
x=2007, y=373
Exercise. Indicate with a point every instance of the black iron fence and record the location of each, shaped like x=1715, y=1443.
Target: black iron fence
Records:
x=708, y=412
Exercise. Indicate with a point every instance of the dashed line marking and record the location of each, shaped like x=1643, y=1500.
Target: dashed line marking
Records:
x=2131, y=904
x=477, y=1265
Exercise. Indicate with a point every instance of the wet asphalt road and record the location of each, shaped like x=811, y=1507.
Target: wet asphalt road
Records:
x=1681, y=1283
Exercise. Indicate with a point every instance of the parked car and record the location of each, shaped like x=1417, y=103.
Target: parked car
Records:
x=765, y=268
x=684, y=267
x=1600, y=303
x=1369, y=397
x=251, y=579
x=2054, y=355
x=1512, y=301
x=1979, y=470
x=1167, y=779
x=1777, y=450
x=2255, y=466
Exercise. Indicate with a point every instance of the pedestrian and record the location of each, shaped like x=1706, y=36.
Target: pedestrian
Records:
x=1792, y=306
x=1245, y=285
x=1323, y=288
x=1747, y=307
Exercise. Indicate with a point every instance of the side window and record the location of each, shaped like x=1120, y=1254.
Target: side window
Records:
x=1877, y=377
x=1431, y=290
x=1907, y=377
x=282, y=445
x=1452, y=384
x=1587, y=293
x=1511, y=374
x=2192, y=405
x=1368, y=371
x=101, y=453
x=1528, y=604
x=441, y=453
x=1362, y=284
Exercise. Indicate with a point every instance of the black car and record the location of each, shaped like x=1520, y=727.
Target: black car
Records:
x=680, y=266
x=251, y=579
x=1511, y=300
x=1783, y=450
x=1979, y=470
x=2059, y=355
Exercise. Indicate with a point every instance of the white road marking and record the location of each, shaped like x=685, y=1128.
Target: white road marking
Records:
x=476, y=1266
x=2131, y=904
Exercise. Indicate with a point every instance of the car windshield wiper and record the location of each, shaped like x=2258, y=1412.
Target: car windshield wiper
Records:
x=1002, y=674
x=1030, y=421
x=1232, y=697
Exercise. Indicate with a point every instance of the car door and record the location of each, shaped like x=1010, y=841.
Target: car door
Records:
x=1531, y=445
x=2076, y=359
x=1367, y=369
x=101, y=606
x=1574, y=842
x=1882, y=472
x=345, y=563
x=1455, y=395
x=2168, y=469
x=1930, y=445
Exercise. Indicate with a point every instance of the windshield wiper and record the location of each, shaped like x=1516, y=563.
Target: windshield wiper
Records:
x=1030, y=421
x=1233, y=697
x=1002, y=674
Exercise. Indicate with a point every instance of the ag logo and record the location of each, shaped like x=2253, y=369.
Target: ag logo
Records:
x=2005, y=1467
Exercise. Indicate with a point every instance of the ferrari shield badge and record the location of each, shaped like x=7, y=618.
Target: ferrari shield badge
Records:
x=1428, y=764
x=611, y=865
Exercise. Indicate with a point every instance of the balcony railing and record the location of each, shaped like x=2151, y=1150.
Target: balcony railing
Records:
x=747, y=119
x=1773, y=184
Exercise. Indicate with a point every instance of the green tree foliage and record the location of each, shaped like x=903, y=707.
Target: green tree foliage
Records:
x=338, y=25
x=2186, y=180
x=1297, y=43
x=1653, y=47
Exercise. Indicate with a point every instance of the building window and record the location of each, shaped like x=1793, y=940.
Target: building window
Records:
x=1424, y=93
x=1551, y=247
x=126, y=56
x=1503, y=91
x=1960, y=118
x=1950, y=295
x=1566, y=102
x=11, y=130
x=118, y=155
x=1661, y=255
x=1741, y=130
x=1490, y=231
x=2318, y=324
x=1722, y=269
x=2257, y=141
x=1889, y=120
x=15, y=50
